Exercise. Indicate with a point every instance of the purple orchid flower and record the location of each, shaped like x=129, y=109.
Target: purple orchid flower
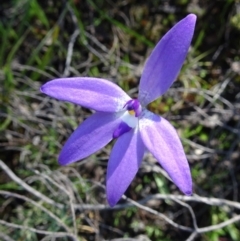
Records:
x=128, y=120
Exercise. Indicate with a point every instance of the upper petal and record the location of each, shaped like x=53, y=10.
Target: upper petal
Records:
x=166, y=60
x=93, y=134
x=162, y=140
x=94, y=93
x=123, y=164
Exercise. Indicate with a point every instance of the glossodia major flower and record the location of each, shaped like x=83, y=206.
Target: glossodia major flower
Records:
x=119, y=117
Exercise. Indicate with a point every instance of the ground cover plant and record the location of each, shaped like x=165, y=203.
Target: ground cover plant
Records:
x=43, y=40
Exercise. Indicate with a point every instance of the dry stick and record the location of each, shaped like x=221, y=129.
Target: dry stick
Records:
x=192, y=236
x=70, y=52
x=44, y=198
x=30, y=180
x=150, y=210
x=209, y=201
x=198, y=230
x=27, y=187
x=17, y=66
x=194, y=198
x=59, y=234
x=53, y=216
x=5, y=237
x=82, y=32
x=220, y=225
x=191, y=212
x=54, y=237
x=69, y=193
x=208, y=94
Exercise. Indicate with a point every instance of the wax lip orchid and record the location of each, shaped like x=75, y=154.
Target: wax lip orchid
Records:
x=127, y=120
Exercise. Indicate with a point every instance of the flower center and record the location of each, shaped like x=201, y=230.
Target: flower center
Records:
x=129, y=118
x=133, y=107
x=131, y=112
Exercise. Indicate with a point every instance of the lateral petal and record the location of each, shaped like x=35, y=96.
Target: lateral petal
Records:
x=124, y=162
x=166, y=60
x=162, y=140
x=93, y=134
x=94, y=93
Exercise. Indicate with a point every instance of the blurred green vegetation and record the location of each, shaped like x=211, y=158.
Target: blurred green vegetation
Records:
x=112, y=39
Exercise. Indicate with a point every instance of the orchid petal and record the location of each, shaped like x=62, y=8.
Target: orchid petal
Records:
x=166, y=60
x=161, y=139
x=94, y=93
x=121, y=129
x=93, y=134
x=123, y=164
